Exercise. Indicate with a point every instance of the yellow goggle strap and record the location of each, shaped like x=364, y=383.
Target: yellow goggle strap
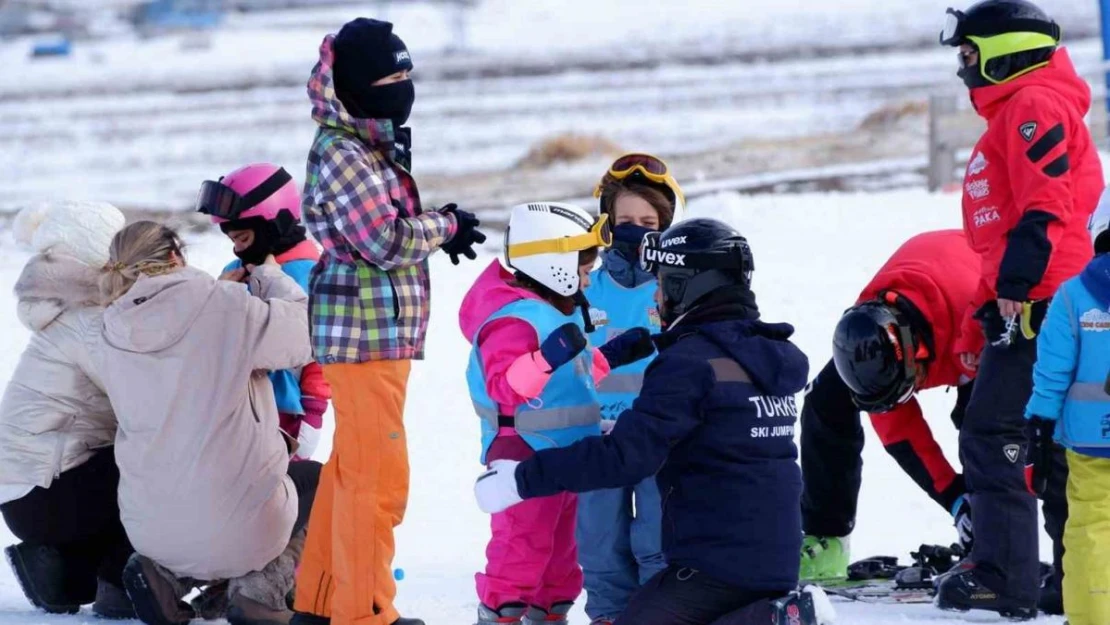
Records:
x=598, y=236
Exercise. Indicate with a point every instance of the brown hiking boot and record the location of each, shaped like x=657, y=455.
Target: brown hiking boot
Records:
x=155, y=593
x=211, y=603
x=243, y=610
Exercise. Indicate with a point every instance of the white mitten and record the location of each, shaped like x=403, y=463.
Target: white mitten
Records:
x=495, y=489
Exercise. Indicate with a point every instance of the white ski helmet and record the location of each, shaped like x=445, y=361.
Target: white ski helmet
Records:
x=544, y=238
x=1100, y=223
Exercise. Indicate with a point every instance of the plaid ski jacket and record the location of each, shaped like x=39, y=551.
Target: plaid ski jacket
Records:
x=370, y=293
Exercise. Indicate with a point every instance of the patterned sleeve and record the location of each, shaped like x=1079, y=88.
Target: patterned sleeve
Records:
x=358, y=204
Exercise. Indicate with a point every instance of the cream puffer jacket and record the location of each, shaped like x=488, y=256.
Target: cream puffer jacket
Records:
x=203, y=486
x=54, y=413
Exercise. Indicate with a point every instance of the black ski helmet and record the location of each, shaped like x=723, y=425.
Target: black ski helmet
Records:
x=1013, y=38
x=692, y=259
x=874, y=353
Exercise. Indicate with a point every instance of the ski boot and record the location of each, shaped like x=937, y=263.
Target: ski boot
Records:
x=507, y=614
x=962, y=590
x=1052, y=597
x=538, y=616
x=48, y=581
x=824, y=559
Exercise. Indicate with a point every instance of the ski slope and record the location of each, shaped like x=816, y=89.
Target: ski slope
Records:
x=813, y=254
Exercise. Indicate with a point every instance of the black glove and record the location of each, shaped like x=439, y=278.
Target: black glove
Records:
x=1000, y=332
x=466, y=234
x=961, y=515
x=1038, y=459
x=562, y=345
x=628, y=347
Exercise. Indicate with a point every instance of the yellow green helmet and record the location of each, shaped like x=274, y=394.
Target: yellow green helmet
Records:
x=1012, y=37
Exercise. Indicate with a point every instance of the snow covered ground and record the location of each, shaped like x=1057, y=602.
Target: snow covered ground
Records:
x=813, y=253
x=142, y=122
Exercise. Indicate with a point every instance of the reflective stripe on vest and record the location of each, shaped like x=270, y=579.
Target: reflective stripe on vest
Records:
x=545, y=418
x=621, y=383
x=1088, y=391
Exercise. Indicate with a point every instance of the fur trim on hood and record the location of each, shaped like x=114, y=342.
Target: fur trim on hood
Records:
x=50, y=285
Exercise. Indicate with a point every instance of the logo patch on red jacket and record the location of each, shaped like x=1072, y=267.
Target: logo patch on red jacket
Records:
x=977, y=165
x=978, y=189
x=1028, y=130
x=985, y=215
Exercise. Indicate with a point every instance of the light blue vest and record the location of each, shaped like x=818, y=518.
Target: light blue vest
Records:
x=567, y=409
x=287, y=383
x=1073, y=361
x=617, y=309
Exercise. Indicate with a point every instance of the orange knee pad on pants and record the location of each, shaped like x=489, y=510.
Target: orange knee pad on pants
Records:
x=346, y=573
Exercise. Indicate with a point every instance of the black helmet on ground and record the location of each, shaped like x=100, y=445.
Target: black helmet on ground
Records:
x=693, y=259
x=1011, y=37
x=876, y=356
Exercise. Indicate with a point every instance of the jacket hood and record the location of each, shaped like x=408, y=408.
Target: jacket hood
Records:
x=51, y=284
x=776, y=366
x=1059, y=76
x=328, y=110
x=157, y=311
x=489, y=293
x=1096, y=277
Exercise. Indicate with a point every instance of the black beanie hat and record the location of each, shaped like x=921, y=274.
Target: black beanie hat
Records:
x=366, y=50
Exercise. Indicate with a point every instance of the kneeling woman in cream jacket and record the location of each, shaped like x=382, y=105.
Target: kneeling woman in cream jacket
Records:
x=206, y=488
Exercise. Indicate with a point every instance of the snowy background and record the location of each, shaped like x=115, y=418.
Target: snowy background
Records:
x=720, y=88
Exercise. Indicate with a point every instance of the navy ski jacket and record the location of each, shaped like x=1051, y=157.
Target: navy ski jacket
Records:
x=715, y=424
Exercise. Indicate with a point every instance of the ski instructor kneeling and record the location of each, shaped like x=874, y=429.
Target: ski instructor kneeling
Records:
x=715, y=419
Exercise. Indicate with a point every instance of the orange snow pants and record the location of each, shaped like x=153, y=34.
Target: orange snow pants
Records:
x=346, y=572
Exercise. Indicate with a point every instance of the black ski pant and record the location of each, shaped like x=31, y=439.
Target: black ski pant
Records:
x=993, y=446
x=832, y=445
x=683, y=596
x=79, y=516
x=306, y=477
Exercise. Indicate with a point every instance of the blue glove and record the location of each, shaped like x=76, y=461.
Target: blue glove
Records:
x=628, y=347
x=961, y=514
x=562, y=345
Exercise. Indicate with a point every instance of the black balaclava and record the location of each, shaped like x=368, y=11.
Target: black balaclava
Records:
x=271, y=236
x=366, y=50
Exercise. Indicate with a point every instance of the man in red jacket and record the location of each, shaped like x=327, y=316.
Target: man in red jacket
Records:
x=1031, y=185
x=897, y=340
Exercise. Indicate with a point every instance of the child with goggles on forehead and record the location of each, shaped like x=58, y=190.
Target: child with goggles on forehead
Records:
x=532, y=378
x=258, y=207
x=618, y=529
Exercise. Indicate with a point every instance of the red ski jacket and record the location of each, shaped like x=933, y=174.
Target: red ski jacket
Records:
x=1031, y=185
x=938, y=273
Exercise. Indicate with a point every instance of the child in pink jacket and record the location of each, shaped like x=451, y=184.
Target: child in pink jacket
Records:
x=532, y=379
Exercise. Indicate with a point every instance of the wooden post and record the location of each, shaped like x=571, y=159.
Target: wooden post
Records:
x=942, y=154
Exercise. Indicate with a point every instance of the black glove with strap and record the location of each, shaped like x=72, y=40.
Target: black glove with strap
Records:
x=1038, y=458
x=627, y=347
x=466, y=234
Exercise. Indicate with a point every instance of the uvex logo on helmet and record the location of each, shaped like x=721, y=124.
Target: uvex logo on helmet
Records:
x=672, y=259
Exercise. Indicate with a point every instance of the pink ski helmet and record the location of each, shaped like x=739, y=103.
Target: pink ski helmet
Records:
x=258, y=190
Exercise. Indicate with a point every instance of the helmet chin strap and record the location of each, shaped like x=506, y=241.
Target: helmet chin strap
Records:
x=584, y=304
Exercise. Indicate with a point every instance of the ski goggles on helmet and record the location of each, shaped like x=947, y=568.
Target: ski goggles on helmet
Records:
x=221, y=201
x=959, y=29
x=647, y=166
x=600, y=234
x=654, y=253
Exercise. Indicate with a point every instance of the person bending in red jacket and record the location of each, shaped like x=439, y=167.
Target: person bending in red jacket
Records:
x=898, y=339
x=1032, y=183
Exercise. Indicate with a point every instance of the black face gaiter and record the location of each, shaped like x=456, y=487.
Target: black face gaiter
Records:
x=393, y=101
x=270, y=237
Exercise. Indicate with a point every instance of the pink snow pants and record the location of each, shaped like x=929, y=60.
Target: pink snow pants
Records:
x=532, y=557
